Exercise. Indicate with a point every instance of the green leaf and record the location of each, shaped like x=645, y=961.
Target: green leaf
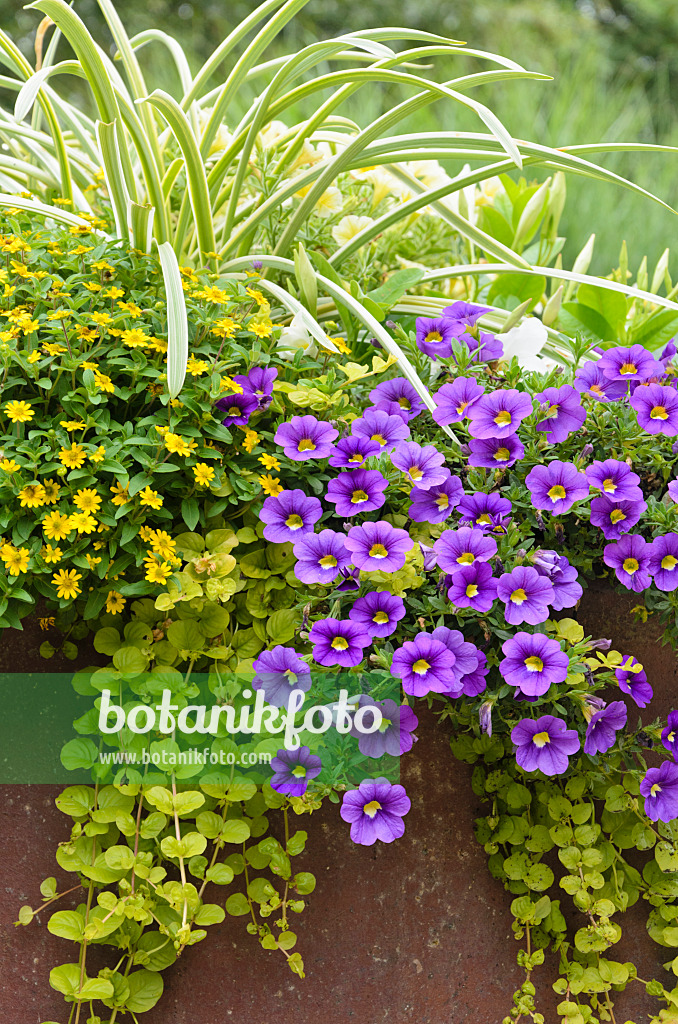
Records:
x=220, y=874
x=145, y=988
x=611, y=305
x=190, y=512
x=185, y=635
x=67, y=924
x=209, y=913
x=76, y=801
x=235, y=830
x=237, y=905
x=65, y=979
x=130, y=661
x=107, y=640
x=79, y=753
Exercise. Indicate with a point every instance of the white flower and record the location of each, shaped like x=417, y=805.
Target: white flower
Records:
x=295, y=338
x=269, y=135
x=525, y=342
x=348, y=227
x=330, y=202
x=428, y=172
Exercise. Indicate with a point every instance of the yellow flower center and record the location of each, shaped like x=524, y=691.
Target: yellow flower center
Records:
x=379, y=438
x=443, y=502
x=433, y=337
x=617, y=516
x=534, y=664
x=630, y=565
x=655, y=789
x=502, y=454
x=294, y=521
x=518, y=596
x=472, y=590
x=235, y=410
x=306, y=445
x=340, y=643
x=669, y=562
x=415, y=472
x=627, y=368
x=327, y=562
x=503, y=418
x=609, y=486
x=557, y=492
x=378, y=551
x=467, y=558
x=484, y=519
x=405, y=403
x=380, y=618
x=596, y=388
x=540, y=739
x=357, y=458
x=421, y=667
x=658, y=412
x=358, y=496
x=461, y=407
x=299, y=772
x=372, y=808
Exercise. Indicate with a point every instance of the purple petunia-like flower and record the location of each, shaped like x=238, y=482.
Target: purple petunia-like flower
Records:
x=486, y=348
x=424, y=466
x=351, y=452
x=320, y=557
x=673, y=490
x=438, y=502
x=349, y=580
x=375, y=810
x=614, y=479
x=454, y=400
x=670, y=734
x=564, y=413
x=359, y=491
x=378, y=612
x=391, y=409
x=533, y=662
x=660, y=789
x=305, y=437
x=378, y=546
x=480, y=508
x=473, y=586
x=289, y=516
x=634, y=683
x=424, y=665
x=258, y=382
x=630, y=363
x=526, y=595
x=394, y=736
x=475, y=682
x=657, y=409
x=630, y=559
x=602, y=729
x=380, y=427
x=466, y=313
x=615, y=518
x=563, y=577
x=458, y=548
x=590, y=380
x=544, y=744
x=338, y=642
x=556, y=486
x=278, y=672
x=467, y=657
x=663, y=565
x=237, y=409
x=499, y=413
x=435, y=334
x=293, y=769
x=401, y=391
x=495, y=452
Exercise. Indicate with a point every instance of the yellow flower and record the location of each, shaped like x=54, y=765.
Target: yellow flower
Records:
x=120, y=495
x=92, y=286
x=16, y=561
x=51, y=555
x=146, y=533
x=99, y=455
x=19, y=412
x=134, y=338
x=213, y=294
x=262, y=328
x=341, y=345
x=114, y=293
x=348, y=227
x=204, y=474
x=178, y=445
x=129, y=307
x=52, y=490
x=87, y=500
x=225, y=328
x=72, y=424
x=53, y=349
x=163, y=545
x=103, y=382
x=73, y=457
x=60, y=314
x=257, y=296
x=150, y=498
x=270, y=485
x=56, y=526
x=197, y=366
x=83, y=522
x=103, y=265
x=9, y=466
x=251, y=440
x=269, y=462
x=92, y=561
x=158, y=573
x=32, y=496
x=101, y=319
x=86, y=333
x=228, y=384
x=33, y=357
x=115, y=602
x=66, y=582
x=86, y=365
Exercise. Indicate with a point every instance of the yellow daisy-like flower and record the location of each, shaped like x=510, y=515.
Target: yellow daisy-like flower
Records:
x=213, y=294
x=66, y=582
x=114, y=292
x=92, y=561
x=120, y=495
x=270, y=485
x=103, y=265
x=9, y=466
x=179, y=445
x=262, y=328
x=163, y=545
x=51, y=555
x=16, y=560
x=257, y=296
x=53, y=349
x=86, y=334
x=101, y=319
x=115, y=602
x=341, y=345
x=251, y=440
x=56, y=526
x=83, y=522
x=99, y=455
x=33, y=357
x=269, y=462
x=129, y=307
x=72, y=424
x=197, y=366
x=92, y=286
x=52, y=491
x=32, y=496
x=19, y=412
x=158, y=573
x=224, y=328
x=73, y=457
x=87, y=500
x=204, y=474
x=146, y=533
x=103, y=382
x=150, y=498
x=60, y=314
x=134, y=338
x=228, y=384
x=87, y=365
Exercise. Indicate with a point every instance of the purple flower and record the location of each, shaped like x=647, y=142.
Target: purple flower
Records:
x=338, y=642
x=499, y=413
x=630, y=363
x=438, y=502
x=350, y=580
x=483, y=349
x=673, y=490
x=258, y=382
x=278, y=672
x=670, y=734
x=544, y=744
x=378, y=546
x=615, y=479
x=630, y=558
x=615, y=518
x=634, y=683
x=526, y=595
x=657, y=409
x=480, y=508
x=380, y=427
x=466, y=313
x=305, y=437
x=378, y=612
x=590, y=380
x=564, y=414
x=293, y=769
x=467, y=656
x=289, y=516
x=351, y=452
x=401, y=391
x=320, y=557
x=394, y=735
x=496, y=452
x=454, y=400
x=237, y=409
x=663, y=563
x=457, y=548
x=424, y=466
x=391, y=409
x=556, y=486
x=375, y=810
x=434, y=336
x=601, y=732
x=660, y=789
x=359, y=491
x=668, y=352
x=473, y=586
x=475, y=682
x=485, y=717
x=563, y=577
x=425, y=665
x=533, y=662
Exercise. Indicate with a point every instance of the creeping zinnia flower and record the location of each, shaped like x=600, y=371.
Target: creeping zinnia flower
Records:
x=401, y=391
x=564, y=413
x=634, y=683
x=457, y=548
x=19, y=412
x=378, y=612
x=602, y=729
x=615, y=518
x=394, y=735
x=533, y=662
x=237, y=409
x=338, y=642
x=351, y=452
x=590, y=380
x=424, y=664
x=434, y=336
x=278, y=672
x=320, y=557
x=472, y=586
x=526, y=595
x=556, y=486
x=630, y=363
x=359, y=491
x=495, y=452
x=544, y=744
x=293, y=769
x=305, y=437
x=380, y=427
x=660, y=789
x=657, y=409
x=630, y=559
x=663, y=564
x=499, y=413
x=289, y=516
x=454, y=401
x=670, y=734
x=66, y=582
x=438, y=502
x=614, y=479
x=424, y=466
x=375, y=810
x=378, y=546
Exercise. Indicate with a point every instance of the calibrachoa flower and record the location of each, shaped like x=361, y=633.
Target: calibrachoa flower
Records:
x=378, y=546
x=563, y=577
x=663, y=564
x=602, y=729
x=544, y=744
x=351, y=452
x=438, y=502
x=499, y=414
x=480, y=508
x=424, y=664
x=670, y=734
x=634, y=683
x=258, y=382
x=564, y=414
x=533, y=662
x=278, y=672
x=454, y=400
x=590, y=380
x=289, y=516
x=660, y=789
x=556, y=486
x=466, y=313
x=475, y=682
x=615, y=518
x=237, y=409
x=380, y=427
x=305, y=437
x=457, y=548
x=526, y=595
x=673, y=490
x=495, y=452
x=483, y=349
x=378, y=612
x=467, y=656
x=375, y=810
x=434, y=336
x=338, y=642
x=657, y=409
x=293, y=769
x=632, y=363
x=614, y=479
x=394, y=736
x=350, y=580
x=630, y=558
x=320, y=557
x=359, y=491
x=401, y=391
x=473, y=586
x=424, y=466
